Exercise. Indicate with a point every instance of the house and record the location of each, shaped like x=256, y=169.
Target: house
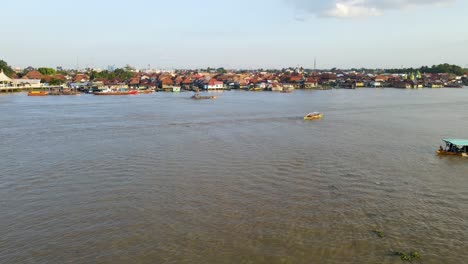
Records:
x=166, y=83
x=134, y=82
x=402, y=84
x=381, y=78
x=186, y=83
x=328, y=78
x=311, y=83
x=358, y=84
x=276, y=87
x=33, y=75
x=32, y=83
x=214, y=84
x=81, y=78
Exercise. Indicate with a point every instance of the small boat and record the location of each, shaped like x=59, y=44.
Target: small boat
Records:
x=454, y=147
x=200, y=97
x=37, y=93
x=64, y=92
x=145, y=91
x=121, y=91
x=313, y=116
x=256, y=89
x=288, y=89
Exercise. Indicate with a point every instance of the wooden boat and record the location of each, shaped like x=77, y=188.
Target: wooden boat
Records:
x=116, y=93
x=64, y=92
x=37, y=93
x=121, y=91
x=256, y=89
x=200, y=97
x=313, y=116
x=454, y=147
x=145, y=91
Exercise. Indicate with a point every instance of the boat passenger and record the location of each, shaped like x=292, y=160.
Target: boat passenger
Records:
x=441, y=148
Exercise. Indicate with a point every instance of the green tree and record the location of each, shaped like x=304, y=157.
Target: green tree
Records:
x=123, y=74
x=441, y=68
x=221, y=70
x=46, y=71
x=128, y=67
x=6, y=69
x=56, y=82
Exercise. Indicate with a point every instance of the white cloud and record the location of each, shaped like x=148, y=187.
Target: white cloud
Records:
x=359, y=8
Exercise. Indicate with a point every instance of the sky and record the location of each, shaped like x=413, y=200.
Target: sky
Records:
x=234, y=34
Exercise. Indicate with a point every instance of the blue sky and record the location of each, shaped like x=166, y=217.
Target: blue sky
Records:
x=234, y=33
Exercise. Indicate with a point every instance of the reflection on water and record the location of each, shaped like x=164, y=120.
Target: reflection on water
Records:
x=242, y=179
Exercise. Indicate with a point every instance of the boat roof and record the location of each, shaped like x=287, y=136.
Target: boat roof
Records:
x=457, y=142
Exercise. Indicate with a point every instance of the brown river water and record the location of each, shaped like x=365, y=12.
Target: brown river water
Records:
x=242, y=179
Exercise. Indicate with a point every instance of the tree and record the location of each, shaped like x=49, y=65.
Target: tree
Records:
x=129, y=68
x=6, y=69
x=46, y=71
x=221, y=70
x=441, y=68
x=123, y=74
x=56, y=82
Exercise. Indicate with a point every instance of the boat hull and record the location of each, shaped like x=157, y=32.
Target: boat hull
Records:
x=116, y=93
x=34, y=93
x=203, y=97
x=447, y=153
x=145, y=91
x=317, y=117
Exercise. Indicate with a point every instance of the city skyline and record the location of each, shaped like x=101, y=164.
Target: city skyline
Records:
x=235, y=34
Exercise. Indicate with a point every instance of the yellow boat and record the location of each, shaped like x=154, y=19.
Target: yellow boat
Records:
x=37, y=93
x=313, y=116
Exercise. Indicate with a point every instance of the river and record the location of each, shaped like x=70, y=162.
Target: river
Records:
x=162, y=178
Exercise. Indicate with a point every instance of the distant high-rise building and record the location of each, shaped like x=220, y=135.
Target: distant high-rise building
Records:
x=111, y=68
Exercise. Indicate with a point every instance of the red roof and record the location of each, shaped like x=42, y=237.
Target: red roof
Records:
x=167, y=81
x=187, y=81
x=311, y=80
x=295, y=78
x=214, y=82
x=134, y=81
x=33, y=75
x=80, y=77
x=197, y=76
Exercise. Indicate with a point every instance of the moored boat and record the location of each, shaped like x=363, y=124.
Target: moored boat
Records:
x=121, y=91
x=288, y=89
x=454, y=147
x=256, y=89
x=145, y=91
x=37, y=93
x=313, y=116
x=64, y=92
x=199, y=97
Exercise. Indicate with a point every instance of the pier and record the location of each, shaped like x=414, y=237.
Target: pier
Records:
x=15, y=89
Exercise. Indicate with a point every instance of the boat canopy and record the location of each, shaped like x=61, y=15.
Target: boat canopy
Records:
x=457, y=142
